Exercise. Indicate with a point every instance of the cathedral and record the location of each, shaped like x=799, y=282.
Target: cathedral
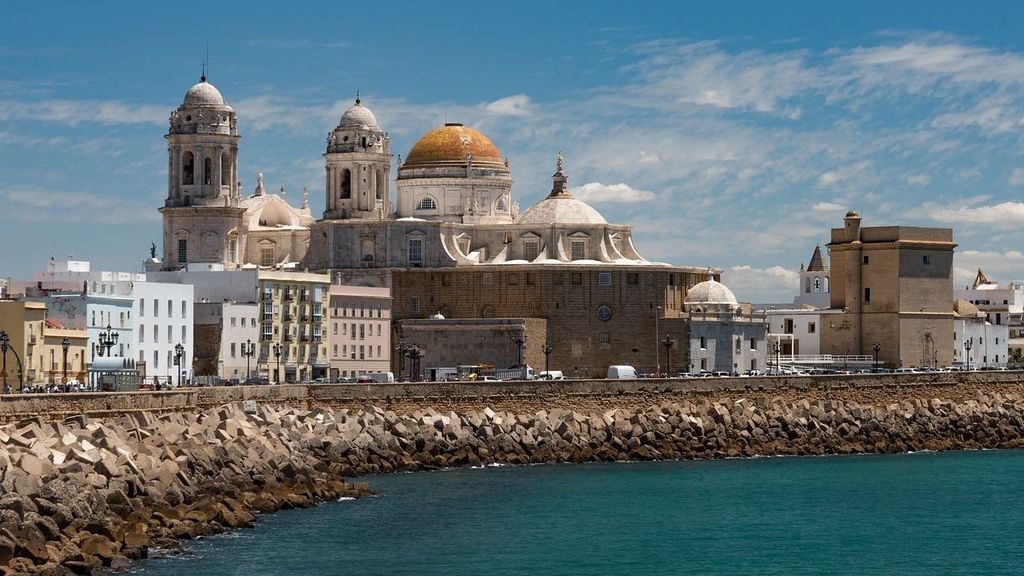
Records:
x=450, y=243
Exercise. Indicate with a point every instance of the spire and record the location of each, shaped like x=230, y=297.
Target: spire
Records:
x=981, y=279
x=305, y=198
x=559, y=180
x=358, y=101
x=817, y=263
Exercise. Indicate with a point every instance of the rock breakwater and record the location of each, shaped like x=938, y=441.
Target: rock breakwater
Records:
x=83, y=495
x=87, y=493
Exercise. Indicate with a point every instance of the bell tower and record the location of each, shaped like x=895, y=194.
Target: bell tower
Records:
x=358, y=168
x=202, y=214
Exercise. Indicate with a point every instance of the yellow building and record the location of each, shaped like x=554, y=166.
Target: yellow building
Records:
x=293, y=341
x=54, y=367
x=22, y=324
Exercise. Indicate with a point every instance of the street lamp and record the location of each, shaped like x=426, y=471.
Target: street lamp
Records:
x=4, y=346
x=277, y=354
x=519, y=340
x=967, y=345
x=400, y=350
x=107, y=339
x=657, y=351
x=179, y=357
x=65, y=344
x=778, y=359
x=547, y=349
x=248, y=350
x=668, y=342
x=876, y=347
x=4, y=339
x=414, y=353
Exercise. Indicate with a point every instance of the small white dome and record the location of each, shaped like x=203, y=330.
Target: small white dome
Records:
x=203, y=94
x=358, y=116
x=437, y=316
x=711, y=293
x=561, y=210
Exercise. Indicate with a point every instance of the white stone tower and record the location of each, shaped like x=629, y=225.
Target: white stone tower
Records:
x=202, y=213
x=358, y=164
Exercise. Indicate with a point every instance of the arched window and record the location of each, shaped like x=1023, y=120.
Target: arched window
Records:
x=346, y=183
x=817, y=284
x=500, y=205
x=380, y=184
x=188, y=168
x=207, y=171
x=426, y=203
x=225, y=169
x=487, y=312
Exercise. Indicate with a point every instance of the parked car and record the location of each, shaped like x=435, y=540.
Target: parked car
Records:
x=621, y=372
x=488, y=379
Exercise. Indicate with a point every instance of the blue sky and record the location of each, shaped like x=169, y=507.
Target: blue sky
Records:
x=728, y=133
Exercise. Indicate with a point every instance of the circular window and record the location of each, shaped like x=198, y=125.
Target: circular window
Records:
x=188, y=118
x=604, y=313
x=345, y=139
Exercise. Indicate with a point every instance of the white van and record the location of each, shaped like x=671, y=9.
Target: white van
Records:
x=552, y=375
x=621, y=372
x=382, y=377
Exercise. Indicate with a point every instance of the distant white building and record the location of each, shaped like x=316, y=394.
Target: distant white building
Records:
x=1002, y=305
x=977, y=342
x=722, y=337
x=815, y=283
x=226, y=317
x=163, y=320
x=147, y=317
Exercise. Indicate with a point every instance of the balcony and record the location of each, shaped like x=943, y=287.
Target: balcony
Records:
x=287, y=337
x=303, y=338
x=288, y=296
x=287, y=317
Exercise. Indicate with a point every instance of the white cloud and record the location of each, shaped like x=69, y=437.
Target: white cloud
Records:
x=827, y=207
x=597, y=193
x=919, y=179
x=1002, y=214
x=74, y=112
x=771, y=284
x=998, y=266
x=516, y=105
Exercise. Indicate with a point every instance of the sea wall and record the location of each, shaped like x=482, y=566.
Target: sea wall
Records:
x=92, y=492
x=514, y=396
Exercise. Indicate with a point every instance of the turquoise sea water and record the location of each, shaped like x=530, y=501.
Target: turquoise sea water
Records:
x=925, y=513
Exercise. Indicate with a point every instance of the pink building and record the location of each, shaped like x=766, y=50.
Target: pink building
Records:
x=360, y=330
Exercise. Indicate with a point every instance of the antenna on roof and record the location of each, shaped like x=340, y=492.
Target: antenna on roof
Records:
x=357, y=96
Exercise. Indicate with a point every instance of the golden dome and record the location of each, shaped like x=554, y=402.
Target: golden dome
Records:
x=449, y=145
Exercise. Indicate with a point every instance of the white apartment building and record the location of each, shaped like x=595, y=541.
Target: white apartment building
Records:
x=1002, y=305
x=360, y=337
x=164, y=319
x=977, y=342
x=148, y=318
x=226, y=316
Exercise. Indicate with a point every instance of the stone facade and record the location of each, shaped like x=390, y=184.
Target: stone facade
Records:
x=895, y=286
x=488, y=341
x=596, y=315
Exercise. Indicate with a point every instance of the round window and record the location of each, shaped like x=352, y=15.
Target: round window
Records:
x=604, y=313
